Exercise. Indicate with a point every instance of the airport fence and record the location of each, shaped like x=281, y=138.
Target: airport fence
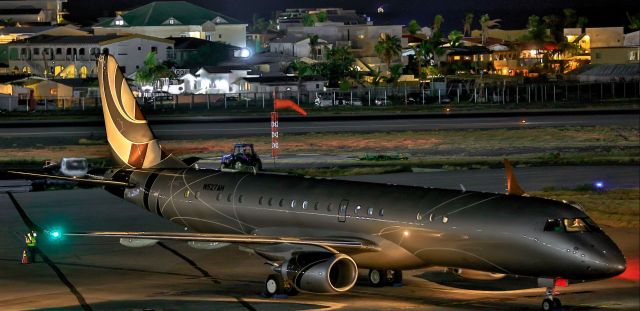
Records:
x=559, y=93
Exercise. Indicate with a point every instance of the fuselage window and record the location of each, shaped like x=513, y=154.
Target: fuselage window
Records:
x=293, y=203
x=240, y=199
x=229, y=197
x=219, y=196
x=329, y=207
x=197, y=195
x=281, y=203
x=315, y=206
x=381, y=212
x=270, y=202
x=358, y=208
x=419, y=216
x=260, y=201
x=370, y=211
x=305, y=204
x=187, y=193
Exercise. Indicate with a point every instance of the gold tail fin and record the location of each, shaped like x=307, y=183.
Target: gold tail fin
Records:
x=131, y=141
x=512, y=183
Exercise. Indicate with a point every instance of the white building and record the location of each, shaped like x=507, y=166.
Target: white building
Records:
x=215, y=80
x=75, y=56
x=32, y=11
x=299, y=47
x=176, y=19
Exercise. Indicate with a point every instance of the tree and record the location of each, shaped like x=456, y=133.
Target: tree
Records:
x=437, y=23
x=413, y=27
x=634, y=21
x=152, y=72
x=338, y=65
x=536, y=29
x=467, y=22
x=570, y=18
x=487, y=23
x=455, y=37
x=209, y=54
x=314, y=42
x=387, y=48
x=555, y=25
x=321, y=16
x=308, y=20
x=395, y=72
x=301, y=70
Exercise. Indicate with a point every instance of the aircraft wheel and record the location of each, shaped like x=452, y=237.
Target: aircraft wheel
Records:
x=397, y=277
x=274, y=285
x=376, y=277
x=547, y=304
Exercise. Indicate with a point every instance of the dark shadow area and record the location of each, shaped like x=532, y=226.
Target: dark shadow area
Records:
x=195, y=305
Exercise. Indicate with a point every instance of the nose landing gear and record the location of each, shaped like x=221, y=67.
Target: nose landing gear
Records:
x=551, y=302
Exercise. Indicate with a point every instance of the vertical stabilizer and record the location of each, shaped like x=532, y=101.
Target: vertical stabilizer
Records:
x=131, y=141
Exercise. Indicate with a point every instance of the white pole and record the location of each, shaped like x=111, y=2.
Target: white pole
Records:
x=439, y=96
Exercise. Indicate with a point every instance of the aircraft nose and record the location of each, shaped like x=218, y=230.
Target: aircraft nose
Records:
x=610, y=263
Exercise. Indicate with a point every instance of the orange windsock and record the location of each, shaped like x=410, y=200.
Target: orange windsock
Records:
x=288, y=104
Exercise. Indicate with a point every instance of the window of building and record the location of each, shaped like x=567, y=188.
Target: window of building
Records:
x=139, y=48
x=81, y=51
x=58, y=51
x=36, y=51
x=220, y=36
x=154, y=49
x=119, y=22
x=598, y=55
x=207, y=37
x=633, y=56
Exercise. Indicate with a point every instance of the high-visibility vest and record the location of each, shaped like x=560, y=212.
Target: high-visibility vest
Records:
x=31, y=241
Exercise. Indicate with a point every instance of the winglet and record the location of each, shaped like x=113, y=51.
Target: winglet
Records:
x=513, y=187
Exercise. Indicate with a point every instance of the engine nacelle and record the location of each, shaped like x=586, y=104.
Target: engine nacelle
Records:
x=320, y=272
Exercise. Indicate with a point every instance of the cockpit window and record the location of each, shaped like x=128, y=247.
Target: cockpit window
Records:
x=571, y=225
x=554, y=225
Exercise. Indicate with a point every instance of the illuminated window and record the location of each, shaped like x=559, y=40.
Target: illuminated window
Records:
x=633, y=56
x=457, y=57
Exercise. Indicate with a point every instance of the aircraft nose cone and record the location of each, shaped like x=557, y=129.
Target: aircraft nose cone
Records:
x=611, y=263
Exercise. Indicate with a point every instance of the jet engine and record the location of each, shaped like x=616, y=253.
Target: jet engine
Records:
x=320, y=272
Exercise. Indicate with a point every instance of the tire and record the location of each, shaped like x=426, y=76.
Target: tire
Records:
x=547, y=304
x=376, y=278
x=274, y=285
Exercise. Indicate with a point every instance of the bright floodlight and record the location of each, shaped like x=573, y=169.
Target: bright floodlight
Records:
x=244, y=53
x=55, y=234
x=599, y=185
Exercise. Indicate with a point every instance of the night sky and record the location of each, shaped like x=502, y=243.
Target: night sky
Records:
x=513, y=13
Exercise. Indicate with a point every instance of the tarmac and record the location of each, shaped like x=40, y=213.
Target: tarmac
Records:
x=101, y=274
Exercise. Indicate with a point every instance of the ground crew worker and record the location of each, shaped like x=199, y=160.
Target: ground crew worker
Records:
x=30, y=239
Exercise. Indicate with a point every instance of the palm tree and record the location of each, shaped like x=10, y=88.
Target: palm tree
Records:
x=395, y=72
x=454, y=38
x=467, y=22
x=634, y=21
x=419, y=53
x=314, y=42
x=486, y=23
x=437, y=23
x=413, y=27
x=387, y=48
x=301, y=69
x=152, y=71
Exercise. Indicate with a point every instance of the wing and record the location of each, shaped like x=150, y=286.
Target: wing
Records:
x=330, y=243
x=93, y=181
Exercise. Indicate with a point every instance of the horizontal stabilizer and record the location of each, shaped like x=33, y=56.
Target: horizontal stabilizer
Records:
x=98, y=182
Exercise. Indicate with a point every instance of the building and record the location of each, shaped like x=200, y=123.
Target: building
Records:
x=361, y=39
x=186, y=48
x=75, y=56
x=14, y=33
x=176, y=19
x=295, y=17
x=596, y=37
x=615, y=55
x=282, y=83
x=32, y=11
x=299, y=47
x=216, y=79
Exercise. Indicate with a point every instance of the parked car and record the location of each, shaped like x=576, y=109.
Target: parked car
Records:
x=381, y=101
x=242, y=157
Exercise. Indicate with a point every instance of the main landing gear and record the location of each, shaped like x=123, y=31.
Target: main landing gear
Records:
x=275, y=285
x=380, y=278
